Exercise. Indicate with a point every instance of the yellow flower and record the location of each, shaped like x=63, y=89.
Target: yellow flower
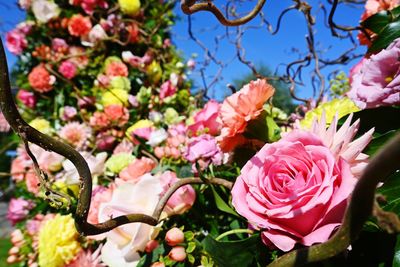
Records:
x=342, y=107
x=41, y=125
x=154, y=71
x=115, y=97
x=138, y=125
x=66, y=188
x=57, y=241
x=129, y=7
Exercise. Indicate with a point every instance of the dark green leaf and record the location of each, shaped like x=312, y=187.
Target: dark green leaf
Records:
x=396, y=257
x=377, y=142
x=233, y=253
x=386, y=36
x=391, y=191
x=221, y=204
x=377, y=22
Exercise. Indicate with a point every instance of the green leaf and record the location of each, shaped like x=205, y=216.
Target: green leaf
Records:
x=273, y=129
x=386, y=36
x=379, y=141
x=377, y=22
x=221, y=204
x=391, y=191
x=233, y=253
x=396, y=258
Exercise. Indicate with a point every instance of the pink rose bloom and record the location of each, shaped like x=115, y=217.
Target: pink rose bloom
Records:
x=240, y=108
x=203, y=150
x=116, y=68
x=67, y=69
x=100, y=195
x=183, y=198
x=68, y=112
x=27, y=98
x=40, y=79
x=207, y=119
x=136, y=169
x=167, y=89
x=377, y=83
x=18, y=209
x=117, y=114
x=58, y=45
x=79, y=25
x=277, y=192
x=16, y=41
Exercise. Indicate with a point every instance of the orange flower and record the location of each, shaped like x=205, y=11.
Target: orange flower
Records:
x=240, y=108
x=79, y=25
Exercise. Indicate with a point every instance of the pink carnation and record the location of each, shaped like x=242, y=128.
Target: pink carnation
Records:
x=136, y=169
x=240, y=108
x=18, y=209
x=16, y=41
x=207, y=119
x=76, y=134
x=277, y=191
x=183, y=198
x=27, y=98
x=67, y=69
x=377, y=82
x=117, y=114
x=203, y=150
x=116, y=68
x=79, y=25
x=40, y=79
x=167, y=89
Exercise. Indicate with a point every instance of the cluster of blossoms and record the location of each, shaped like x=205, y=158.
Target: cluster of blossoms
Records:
x=112, y=87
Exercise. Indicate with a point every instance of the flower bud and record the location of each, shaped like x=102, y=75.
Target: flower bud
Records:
x=151, y=245
x=174, y=236
x=158, y=264
x=177, y=254
x=12, y=259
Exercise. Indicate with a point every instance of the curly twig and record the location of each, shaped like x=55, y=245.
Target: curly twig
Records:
x=381, y=166
x=190, y=7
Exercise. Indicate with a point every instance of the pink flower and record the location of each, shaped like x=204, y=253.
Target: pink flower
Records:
x=355, y=69
x=117, y=114
x=124, y=147
x=58, y=45
x=240, y=108
x=377, y=83
x=77, y=58
x=177, y=254
x=40, y=79
x=68, y=113
x=136, y=169
x=374, y=6
x=116, y=68
x=167, y=89
x=79, y=25
x=32, y=182
x=183, y=198
x=75, y=133
x=174, y=236
x=87, y=258
x=4, y=126
x=207, y=119
x=99, y=120
x=295, y=189
x=18, y=209
x=89, y=5
x=100, y=195
x=16, y=41
x=105, y=141
x=191, y=64
x=204, y=150
x=67, y=69
x=27, y=98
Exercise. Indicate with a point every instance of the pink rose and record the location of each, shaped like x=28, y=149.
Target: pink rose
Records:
x=207, y=119
x=136, y=169
x=377, y=82
x=295, y=190
x=67, y=69
x=183, y=198
x=18, y=209
x=167, y=89
x=16, y=41
x=27, y=98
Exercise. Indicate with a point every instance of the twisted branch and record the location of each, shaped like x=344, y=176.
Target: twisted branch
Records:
x=381, y=166
x=29, y=134
x=190, y=6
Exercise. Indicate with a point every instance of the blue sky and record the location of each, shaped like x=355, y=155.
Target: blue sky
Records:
x=261, y=47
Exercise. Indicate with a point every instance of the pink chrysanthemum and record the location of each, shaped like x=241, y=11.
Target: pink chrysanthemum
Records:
x=75, y=133
x=87, y=258
x=341, y=142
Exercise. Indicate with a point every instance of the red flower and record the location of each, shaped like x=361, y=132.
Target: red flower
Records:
x=79, y=25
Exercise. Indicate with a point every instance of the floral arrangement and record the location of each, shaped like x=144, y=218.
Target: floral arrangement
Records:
x=104, y=77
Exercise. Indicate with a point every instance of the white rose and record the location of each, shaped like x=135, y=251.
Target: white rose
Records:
x=45, y=10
